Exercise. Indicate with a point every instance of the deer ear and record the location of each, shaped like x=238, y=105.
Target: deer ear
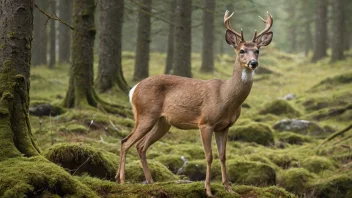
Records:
x=232, y=39
x=265, y=39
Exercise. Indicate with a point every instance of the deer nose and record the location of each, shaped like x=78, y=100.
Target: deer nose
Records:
x=253, y=64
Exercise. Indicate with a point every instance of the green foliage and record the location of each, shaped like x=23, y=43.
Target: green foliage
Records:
x=37, y=177
x=79, y=159
x=254, y=132
x=317, y=164
x=280, y=108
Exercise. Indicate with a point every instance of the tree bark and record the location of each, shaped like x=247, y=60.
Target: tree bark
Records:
x=81, y=93
x=338, y=45
x=65, y=13
x=16, y=25
x=321, y=35
x=182, y=62
x=141, y=67
x=52, y=37
x=110, y=66
x=171, y=39
x=208, y=37
x=39, y=49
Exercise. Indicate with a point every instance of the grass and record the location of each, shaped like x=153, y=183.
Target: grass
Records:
x=287, y=155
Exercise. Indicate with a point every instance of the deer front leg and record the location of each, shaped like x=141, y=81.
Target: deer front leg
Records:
x=221, y=139
x=206, y=134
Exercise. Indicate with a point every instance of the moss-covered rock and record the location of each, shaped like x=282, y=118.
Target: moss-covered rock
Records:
x=189, y=151
x=179, y=189
x=338, y=186
x=78, y=159
x=283, y=160
x=135, y=174
x=260, y=158
x=172, y=162
x=37, y=177
x=295, y=180
x=255, y=132
x=280, y=108
x=251, y=173
x=45, y=109
x=303, y=127
x=74, y=128
x=334, y=81
x=293, y=138
x=316, y=164
x=195, y=170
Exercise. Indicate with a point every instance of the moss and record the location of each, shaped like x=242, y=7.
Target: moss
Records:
x=135, y=174
x=280, y=108
x=338, y=186
x=172, y=162
x=74, y=128
x=195, y=170
x=272, y=191
x=189, y=151
x=295, y=180
x=293, y=138
x=79, y=159
x=332, y=82
x=256, y=132
x=260, y=158
x=283, y=160
x=317, y=164
x=37, y=177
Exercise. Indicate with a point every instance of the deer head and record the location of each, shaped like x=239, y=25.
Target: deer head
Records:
x=248, y=51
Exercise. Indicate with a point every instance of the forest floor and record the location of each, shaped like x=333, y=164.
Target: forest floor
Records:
x=262, y=161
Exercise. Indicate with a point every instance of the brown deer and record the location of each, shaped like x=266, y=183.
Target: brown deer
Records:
x=212, y=106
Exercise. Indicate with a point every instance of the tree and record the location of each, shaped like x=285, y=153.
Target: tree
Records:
x=16, y=25
x=321, y=34
x=141, y=67
x=182, y=59
x=110, y=66
x=65, y=13
x=170, y=39
x=52, y=37
x=39, y=50
x=338, y=23
x=208, y=36
x=292, y=26
x=81, y=93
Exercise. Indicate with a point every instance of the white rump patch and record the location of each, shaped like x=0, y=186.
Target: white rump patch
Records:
x=247, y=75
x=130, y=95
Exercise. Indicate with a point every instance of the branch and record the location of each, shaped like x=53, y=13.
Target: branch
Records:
x=56, y=18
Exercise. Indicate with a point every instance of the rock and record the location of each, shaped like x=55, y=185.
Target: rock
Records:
x=255, y=132
x=46, y=110
x=280, y=108
x=289, y=96
x=303, y=127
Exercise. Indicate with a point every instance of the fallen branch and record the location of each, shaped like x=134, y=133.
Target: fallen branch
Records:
x=56, y=18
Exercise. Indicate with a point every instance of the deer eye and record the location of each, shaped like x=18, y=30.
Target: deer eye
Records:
x=256, y=51
x=242, y=51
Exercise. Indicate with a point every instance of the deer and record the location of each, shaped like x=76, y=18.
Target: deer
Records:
x=212, y=106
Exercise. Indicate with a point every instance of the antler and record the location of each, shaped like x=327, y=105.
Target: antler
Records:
x=269, y=22
x=228, y=26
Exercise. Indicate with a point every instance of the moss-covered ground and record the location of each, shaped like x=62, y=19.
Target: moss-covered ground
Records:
x=86, y=142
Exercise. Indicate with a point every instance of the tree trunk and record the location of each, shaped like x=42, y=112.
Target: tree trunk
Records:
x=338, y=40
x=141, y=67
x=182, y=62
x=39, y=49
x=16, y=25
x=52, y=37
x=171, y=39
x=321, y=35
x=65, y=13
x=110, y=51
x=292, y=27
x=208, y=37
x=308, y=45
x=81, y=93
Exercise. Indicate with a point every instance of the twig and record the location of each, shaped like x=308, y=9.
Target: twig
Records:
x=56, y=18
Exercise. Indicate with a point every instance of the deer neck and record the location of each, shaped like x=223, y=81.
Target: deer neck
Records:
x=236, y=89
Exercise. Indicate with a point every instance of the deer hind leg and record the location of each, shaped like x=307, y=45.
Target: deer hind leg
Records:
x=143, y=126
x=160, y=128
x=221, y=139
x=206, y=135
